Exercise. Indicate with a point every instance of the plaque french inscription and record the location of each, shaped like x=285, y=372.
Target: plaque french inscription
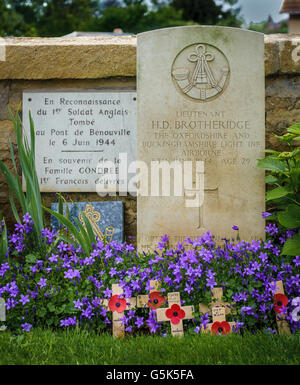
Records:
x=79, y=136
x=201, y=98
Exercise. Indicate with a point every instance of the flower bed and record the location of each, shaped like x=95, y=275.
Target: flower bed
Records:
x=59, y=286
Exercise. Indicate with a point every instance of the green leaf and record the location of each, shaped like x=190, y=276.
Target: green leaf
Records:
x=272, y=152
x=272, y=164
x=88, y=228
x=271, y=179
x=30, y=258
x=294, y=129
x=41, y=312
x=295, y=175
x=290, y=218
x=72, y=228
x=277, y=193
x=3, y=243
x=51, y=307
x=292, y=246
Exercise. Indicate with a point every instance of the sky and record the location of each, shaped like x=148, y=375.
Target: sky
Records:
x=259, y=10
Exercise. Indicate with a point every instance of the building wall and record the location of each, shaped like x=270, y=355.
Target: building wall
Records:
x=110, y=62
x=294, y=24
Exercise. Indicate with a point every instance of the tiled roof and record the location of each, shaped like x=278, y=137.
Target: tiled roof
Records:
x=291, y=6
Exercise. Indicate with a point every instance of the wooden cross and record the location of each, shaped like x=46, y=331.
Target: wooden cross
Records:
x=117, y=306
x=282, y=324
x=2, y=310
x=175, y=314
x=147, y=300
x=219, y=325
x=217, y=295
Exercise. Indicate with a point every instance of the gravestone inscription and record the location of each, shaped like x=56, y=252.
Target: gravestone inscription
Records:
x=201, y=103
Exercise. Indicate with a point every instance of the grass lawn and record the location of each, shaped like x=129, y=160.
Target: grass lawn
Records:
x=44, y=347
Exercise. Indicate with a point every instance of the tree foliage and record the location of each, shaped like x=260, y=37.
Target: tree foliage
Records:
x=208, y=12
x=60, y=17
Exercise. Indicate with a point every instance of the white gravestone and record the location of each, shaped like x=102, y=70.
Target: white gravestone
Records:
x=201, y=99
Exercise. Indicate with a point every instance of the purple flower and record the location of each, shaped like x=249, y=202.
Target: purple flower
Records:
x=68, y=321
x=297, y=260
x=135, y=285
x=238, y=326
x=107, y=293
x=263, y=257
x=163, y=243
x=4, y=268
x=204, y=320
x=88, y=312
x=48, y=235
x=139, y=321
x=240, y=297
x=272, y=229
x=210, y=281
x=151, y=322
x=42, y=282
x=235, y=227
x=70, y=274
x=247, y=309
x=53, y=258
x=24, y=299
x=266, y=214
x=188, y=288
x=112, y=272
x=78, y=304
x=26, y=327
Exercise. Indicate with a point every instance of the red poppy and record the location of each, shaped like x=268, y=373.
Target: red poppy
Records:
x=117, y=304
x=155, y=300
x=220, y=327
x=175, y=313
x=280, y=300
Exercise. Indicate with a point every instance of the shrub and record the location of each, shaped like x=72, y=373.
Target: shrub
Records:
x=284, y=177
x=66, y=288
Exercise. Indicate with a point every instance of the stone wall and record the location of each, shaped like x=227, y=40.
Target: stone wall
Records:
x=109, y=63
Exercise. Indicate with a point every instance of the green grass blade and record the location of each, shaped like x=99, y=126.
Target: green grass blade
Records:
x=3, y=242
x=13, y=207
x=89, y=228
x=71, y=227
x=84, y=233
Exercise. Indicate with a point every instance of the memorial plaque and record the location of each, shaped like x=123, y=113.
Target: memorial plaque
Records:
x=201, y=102
x=79, y=136
x=106, y=218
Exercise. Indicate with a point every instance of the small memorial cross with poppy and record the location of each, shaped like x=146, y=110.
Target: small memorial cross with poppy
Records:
x=152, y=301
x=175, y=314
x=2, y=310
x=219, y=325
x=217, y=300
x=118, y=305
x=280, y=301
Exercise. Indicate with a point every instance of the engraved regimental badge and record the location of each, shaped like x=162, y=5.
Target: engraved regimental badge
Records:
x=200, y=72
